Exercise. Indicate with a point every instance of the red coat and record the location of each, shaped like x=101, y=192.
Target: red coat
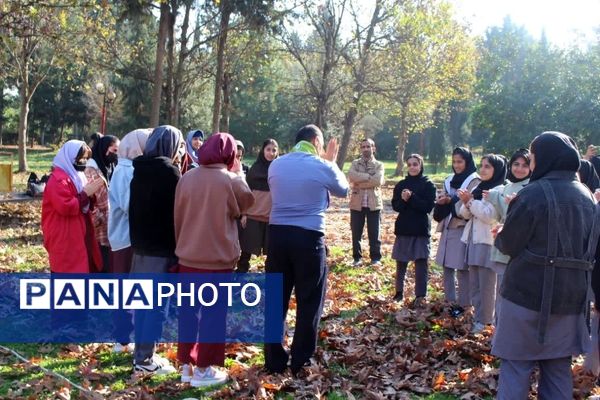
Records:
x=68, y=232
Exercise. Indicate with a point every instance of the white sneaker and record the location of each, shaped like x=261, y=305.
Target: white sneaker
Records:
x=158, y=366
x=477, y=327
x=208, y=376
x=186, y=373
x=119, y=348
x=357, y=263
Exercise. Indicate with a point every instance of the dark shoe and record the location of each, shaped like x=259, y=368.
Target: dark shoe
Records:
x=456, y=311
x=419, y=302
x=398, y=297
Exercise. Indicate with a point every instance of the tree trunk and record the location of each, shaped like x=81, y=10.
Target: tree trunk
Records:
x=224, y=27
x=226, y=109
x=22, y=132
x=158, y=66
x=170, y=63
x=179, y=72
x=1, y=110
x=345, y=144
x=402, y=140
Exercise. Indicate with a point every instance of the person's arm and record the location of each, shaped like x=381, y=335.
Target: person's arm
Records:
x=464, y=211
x=375, y=180
x=484, y=210
x=357, y=177
x=63, y=200
x=243, y=195
x=423, y=201
x=517, y=229
x=337, y=183
x=398, y=204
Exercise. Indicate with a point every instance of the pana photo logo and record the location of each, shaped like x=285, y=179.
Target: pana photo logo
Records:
x=130, y=294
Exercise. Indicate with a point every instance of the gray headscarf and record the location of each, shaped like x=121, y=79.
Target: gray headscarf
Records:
x=164, y=141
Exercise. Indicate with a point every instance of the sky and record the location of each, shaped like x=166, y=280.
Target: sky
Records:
x=565, y=22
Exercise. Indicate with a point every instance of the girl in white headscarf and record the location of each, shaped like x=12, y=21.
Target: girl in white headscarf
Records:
x=66, y=223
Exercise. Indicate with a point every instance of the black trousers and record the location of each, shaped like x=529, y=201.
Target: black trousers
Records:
x=357, y=224
x=299, y=254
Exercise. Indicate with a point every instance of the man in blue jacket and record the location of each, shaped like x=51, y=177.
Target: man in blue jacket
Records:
x=300, y=183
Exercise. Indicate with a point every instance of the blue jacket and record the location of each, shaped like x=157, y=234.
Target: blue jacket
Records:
x=300, y=185
x=118, y=199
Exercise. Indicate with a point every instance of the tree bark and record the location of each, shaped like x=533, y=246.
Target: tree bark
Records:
x=22, y=132
x=226, y=108
x=348, y=125
x=170, y=62
x=158, y=65
x=402, y=140
x=222, y=42
x=183, y=53
x=1, y=110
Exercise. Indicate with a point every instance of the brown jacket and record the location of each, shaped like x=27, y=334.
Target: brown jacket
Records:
x=366, y=176
x=261, y=210
x=208, y=200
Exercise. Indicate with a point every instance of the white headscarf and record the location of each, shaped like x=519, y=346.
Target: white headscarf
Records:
x=65, y=158
x=133, y=144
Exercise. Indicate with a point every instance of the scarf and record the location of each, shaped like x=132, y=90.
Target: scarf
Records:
x=164, y=141
x=305, y=147
x=106, y=165
x=65, y=158
x=220, y=148
x=554, y=151
x=188, y=144
x=458, y=179
x=498, y=178
x=133, y=144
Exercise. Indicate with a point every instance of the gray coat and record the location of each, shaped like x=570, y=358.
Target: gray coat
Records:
x=527, y=234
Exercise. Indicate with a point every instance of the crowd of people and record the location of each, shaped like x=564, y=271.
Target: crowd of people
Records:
x=518, y=237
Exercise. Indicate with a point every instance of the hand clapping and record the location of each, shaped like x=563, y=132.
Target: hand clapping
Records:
x=464, y=195
x=406, y=194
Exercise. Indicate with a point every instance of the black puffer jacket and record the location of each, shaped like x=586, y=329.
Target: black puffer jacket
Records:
x=413, y=218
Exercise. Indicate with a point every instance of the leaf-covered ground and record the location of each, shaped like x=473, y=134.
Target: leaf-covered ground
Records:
x=369, y=348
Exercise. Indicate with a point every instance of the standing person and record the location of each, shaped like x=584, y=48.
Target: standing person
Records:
x=241, y=150
x=451, y=250
x=193, y=142
x=152, y=231
x=478, y=239
x=254, y=223
x=100, y=166
x=413, y=199
x=366, y=177
x=588, y=176
x=67, y=228
x=550, y=235
x=208, y=201
x=131, y=147
x=300, y=183
x=499, y=198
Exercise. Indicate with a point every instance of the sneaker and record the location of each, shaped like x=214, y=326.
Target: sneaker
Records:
x=477, y=328
x=186, y=373
x=123, y=348
x=158, y=366
x=376, y=263
x=208, y=376
x=398, y=297
x=357, y=263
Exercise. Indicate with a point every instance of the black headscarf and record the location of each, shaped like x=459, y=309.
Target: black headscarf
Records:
x=258, y=173
x=588, y=176
x=521, y=153
x=106, y=164
x=498, y=178
x=596, y=163
x=420, y=175
x=458, y=179
x=553, y=151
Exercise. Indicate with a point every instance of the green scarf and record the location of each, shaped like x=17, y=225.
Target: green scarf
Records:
x=305, y=147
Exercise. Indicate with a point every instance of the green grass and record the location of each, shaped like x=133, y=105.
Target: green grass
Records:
x=38, y=161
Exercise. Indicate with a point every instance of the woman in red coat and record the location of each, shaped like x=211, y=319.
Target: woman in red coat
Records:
x=66, y=222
